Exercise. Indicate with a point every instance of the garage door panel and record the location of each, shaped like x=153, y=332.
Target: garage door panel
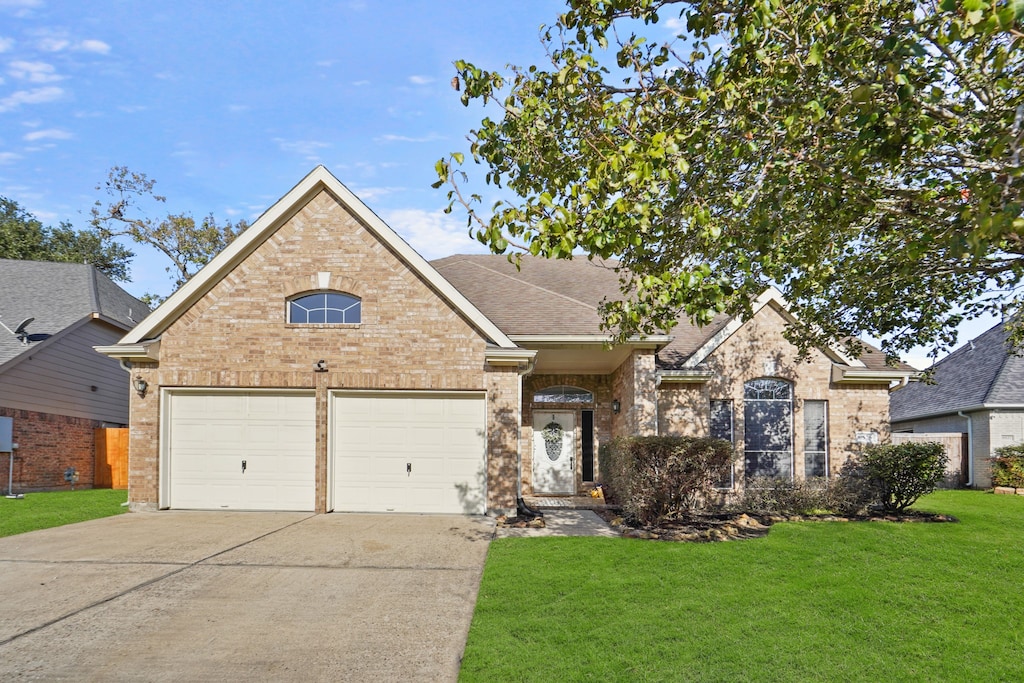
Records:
x=374, y=437
x=210, y=435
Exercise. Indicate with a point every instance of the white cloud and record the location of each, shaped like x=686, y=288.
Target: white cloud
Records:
x=6, y=44
x=433, y=234
x=308, y=149
x=8, y=157
x=369, y=194
x=20, y=8
x=420, y=80
x=47, y=134
x=133, y=108
x=405, y=138
x=34, y=72
x=238, y=108
x=360, y=84
x=53, y=44
x=35, y=96
x=92, y=45
x=676, y=25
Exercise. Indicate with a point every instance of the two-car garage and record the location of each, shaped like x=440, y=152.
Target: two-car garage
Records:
x=386, y=451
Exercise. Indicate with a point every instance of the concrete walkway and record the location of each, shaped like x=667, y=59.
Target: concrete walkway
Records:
x=564, y=522
x=223, y=596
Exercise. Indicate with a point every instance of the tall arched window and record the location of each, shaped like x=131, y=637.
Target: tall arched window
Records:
x=563, y=394
x=768, y=428
x=325, y=307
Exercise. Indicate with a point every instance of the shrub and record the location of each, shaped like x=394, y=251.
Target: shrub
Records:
x=661, y=477
x=1008, y=466
x=902, y=473
x=786, y=497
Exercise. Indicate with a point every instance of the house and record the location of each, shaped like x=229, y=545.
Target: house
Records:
x=319, y=363
x=978, y=391
x=53, y=387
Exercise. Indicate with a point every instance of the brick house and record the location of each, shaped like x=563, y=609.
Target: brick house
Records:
x=320, y=363
x=53, y=388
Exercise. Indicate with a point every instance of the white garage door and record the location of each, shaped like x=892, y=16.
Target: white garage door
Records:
x=408, y=452
x=241, y=451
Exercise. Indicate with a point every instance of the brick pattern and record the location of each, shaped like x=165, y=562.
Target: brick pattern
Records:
x=47, y=445
x=759, y=349
x=237, y=335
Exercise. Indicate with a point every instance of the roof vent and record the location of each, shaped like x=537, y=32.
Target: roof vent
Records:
x=21, y=330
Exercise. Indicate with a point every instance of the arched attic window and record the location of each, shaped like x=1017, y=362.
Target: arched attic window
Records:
x=324, y=307
x=563, y=394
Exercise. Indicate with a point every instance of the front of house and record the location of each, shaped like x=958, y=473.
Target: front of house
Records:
x=319, y=363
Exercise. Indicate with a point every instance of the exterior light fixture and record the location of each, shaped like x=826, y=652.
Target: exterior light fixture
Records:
x=321, y=366
x=140, y=386
x=616, y=406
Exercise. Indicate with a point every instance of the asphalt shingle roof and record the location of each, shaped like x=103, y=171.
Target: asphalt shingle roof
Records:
x=57, y=295
x=559, y=297
x=983, y=371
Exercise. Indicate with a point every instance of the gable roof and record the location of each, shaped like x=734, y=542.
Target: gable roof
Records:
x=983, y=373
x=58, y=296
x=318, y=180
x=561, y=298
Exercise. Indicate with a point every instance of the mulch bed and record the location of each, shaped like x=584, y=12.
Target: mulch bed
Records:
x=739, y=526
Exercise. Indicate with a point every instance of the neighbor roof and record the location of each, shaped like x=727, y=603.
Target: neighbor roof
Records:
x=982, y=373
x=58, y=295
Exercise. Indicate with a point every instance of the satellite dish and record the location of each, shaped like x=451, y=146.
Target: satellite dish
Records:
x=20, y=329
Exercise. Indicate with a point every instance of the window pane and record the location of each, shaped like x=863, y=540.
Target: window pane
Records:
x=334, y=316
x=721, y=420
x=354, y=313
x=767, y=464
x=768, y=426
x=563, y=394
x=814, y=464
x=769, y=389
x=296, y=313
x=316, y=316
x=815, y=438
x=768, y=429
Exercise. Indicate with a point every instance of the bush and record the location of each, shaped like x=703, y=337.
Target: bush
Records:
x=1008, y=466
x=899, y=474
x=661, y=477
x=786, y=497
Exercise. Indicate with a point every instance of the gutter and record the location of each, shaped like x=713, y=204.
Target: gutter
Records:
x=970, y=448
x=144, y=351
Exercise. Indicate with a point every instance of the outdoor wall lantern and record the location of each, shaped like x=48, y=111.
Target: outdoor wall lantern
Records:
x=321, y=366
x=140, y=386
x=616, y=406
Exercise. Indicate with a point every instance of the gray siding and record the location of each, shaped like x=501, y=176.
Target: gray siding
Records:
x=59, y=378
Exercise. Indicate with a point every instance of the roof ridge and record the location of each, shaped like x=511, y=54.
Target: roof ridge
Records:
x=524, y=282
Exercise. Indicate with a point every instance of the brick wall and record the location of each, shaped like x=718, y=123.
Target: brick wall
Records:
x=237, y=335
x=47, y=445
x=759, y=349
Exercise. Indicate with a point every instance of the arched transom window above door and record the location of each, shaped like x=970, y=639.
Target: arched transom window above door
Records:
x=563, y=394
x=325, y=308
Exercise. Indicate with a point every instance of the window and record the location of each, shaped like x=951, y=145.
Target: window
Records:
x=721, y=428
x=815, y=439
x=563, y=394
x=768, y=429
x=325, y=307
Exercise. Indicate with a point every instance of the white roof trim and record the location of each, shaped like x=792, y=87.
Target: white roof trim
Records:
x=559, y=339
x=953, y=411
x=865, y=376
x=318, y=179
x=688, y=375
x=770, y=295
x=148, y=350
x=509, y=356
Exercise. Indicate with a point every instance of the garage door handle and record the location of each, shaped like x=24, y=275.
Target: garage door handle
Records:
x=408, y=468
x=243, y=467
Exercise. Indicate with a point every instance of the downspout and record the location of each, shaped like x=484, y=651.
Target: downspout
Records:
x=970, y=448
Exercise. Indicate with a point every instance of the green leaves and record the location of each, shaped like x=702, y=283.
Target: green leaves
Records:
x=862, y=155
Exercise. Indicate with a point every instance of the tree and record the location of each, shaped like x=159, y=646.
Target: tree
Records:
x=24, y=237
x=188, y=246
x=862, y=155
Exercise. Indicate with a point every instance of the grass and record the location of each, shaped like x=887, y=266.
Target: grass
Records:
x=812, y=601
x=49, y=509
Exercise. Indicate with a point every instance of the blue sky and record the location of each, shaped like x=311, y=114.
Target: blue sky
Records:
x=228, y=104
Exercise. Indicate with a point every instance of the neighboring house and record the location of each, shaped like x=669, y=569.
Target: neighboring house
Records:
x=978, y=390
x=53, y=385
x=320, y=363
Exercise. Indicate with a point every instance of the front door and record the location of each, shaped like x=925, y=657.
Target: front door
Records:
x=554, y=452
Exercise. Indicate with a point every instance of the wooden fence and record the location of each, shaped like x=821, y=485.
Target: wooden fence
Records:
x=111, y=459
x=955, y=444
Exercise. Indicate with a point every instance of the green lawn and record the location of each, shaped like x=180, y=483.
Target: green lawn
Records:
x=57, y=508
x=813, y=601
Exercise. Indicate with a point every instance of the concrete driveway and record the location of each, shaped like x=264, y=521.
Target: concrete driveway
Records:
x=195, y=596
